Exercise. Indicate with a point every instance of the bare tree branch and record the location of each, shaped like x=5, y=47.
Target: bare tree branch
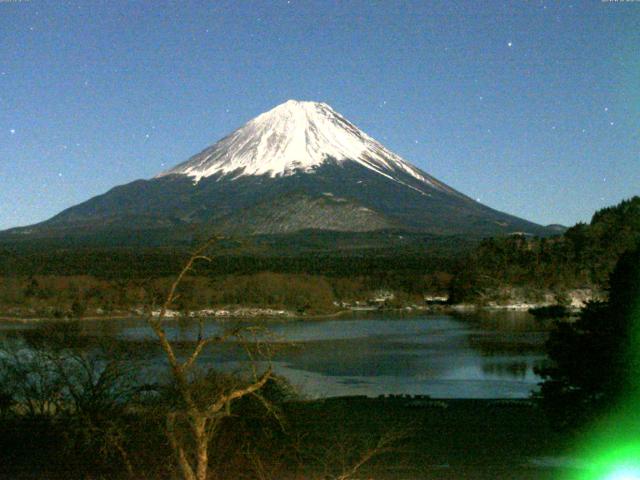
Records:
x=202, y=343
x=202, y=419
x=236, y=394
x=197, y=255
x=183, y=461
x=386, y=443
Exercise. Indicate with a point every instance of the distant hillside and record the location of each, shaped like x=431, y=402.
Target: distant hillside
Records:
x=582, y=257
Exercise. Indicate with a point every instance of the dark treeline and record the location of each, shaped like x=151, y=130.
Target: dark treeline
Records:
x=77, y=296
x=581, y=258
x=129, y=262
x=65, y=282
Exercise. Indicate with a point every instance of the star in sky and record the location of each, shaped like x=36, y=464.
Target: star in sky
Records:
x=12, y=131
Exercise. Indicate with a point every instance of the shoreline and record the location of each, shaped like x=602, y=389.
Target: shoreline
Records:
x=268, y=314
x=246, y=313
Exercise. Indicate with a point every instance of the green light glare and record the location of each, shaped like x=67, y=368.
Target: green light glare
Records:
x=611, y=449
x=624, y=473
x=620, y=462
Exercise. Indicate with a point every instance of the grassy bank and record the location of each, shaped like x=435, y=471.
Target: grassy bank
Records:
x=432, y=439
x=445, y=438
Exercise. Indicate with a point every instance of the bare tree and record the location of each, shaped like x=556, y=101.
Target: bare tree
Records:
x=204, y=403
x=344, y=454
x=200, y=414
x=83, y=395
x=386, y=443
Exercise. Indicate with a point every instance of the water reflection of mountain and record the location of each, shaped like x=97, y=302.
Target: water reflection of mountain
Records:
x=516, y=370
x=504, y=321
x=492, y=344
x=436, y=355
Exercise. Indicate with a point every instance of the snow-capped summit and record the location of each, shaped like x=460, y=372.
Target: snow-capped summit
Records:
x=296, y=136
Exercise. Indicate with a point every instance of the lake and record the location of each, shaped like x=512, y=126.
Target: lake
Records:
x=480, y=355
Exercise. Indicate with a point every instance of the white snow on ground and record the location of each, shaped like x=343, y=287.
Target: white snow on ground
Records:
x=297, y=137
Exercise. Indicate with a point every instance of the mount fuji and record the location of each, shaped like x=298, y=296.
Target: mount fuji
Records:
x=300, y=166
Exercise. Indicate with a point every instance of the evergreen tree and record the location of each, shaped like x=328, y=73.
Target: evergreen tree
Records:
x=593, y=361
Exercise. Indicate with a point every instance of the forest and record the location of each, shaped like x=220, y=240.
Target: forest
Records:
x=583, y=257
x=71, y=282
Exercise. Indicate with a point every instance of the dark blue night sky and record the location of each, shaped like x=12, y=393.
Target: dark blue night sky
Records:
x=531, y=107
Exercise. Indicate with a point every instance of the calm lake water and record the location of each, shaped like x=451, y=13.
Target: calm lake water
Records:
x=486, y=355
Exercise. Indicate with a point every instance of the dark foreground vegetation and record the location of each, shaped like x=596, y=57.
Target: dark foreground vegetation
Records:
x=594, y=361
x=67, y=413
x=478, y=439
x=74, y=406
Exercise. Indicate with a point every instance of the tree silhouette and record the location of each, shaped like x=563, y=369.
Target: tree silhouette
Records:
x=594, y=360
